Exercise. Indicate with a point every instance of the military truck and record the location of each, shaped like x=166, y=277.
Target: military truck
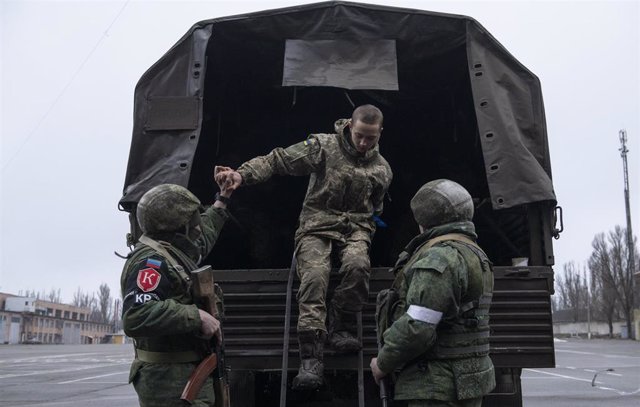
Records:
x=457, y=105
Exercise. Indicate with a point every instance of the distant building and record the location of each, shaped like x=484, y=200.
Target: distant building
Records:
x=117, y=338
x=30, y=320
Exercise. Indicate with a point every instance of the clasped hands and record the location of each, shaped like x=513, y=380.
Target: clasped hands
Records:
x=227, y=179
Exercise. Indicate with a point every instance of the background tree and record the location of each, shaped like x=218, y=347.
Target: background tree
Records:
x=572, y=288
x=117, y=320
x=104, y=303
x=605, y=300
x=82, y=299
x=32, y=294
x=86, y=300
x=610, y=260
x=54, y=296
x=555, y=301
x=622, y=273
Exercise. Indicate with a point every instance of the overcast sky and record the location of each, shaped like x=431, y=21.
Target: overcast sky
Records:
x=68, y=72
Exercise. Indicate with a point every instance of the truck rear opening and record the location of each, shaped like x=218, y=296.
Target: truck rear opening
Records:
x=457, y=105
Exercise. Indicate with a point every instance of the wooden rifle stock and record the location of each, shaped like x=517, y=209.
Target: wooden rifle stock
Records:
x=205, y=295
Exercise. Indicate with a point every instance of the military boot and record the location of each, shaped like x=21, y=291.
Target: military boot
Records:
x=310, y=374
x=342, y=328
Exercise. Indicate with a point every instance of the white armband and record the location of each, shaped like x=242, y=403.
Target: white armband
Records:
x=424, y=314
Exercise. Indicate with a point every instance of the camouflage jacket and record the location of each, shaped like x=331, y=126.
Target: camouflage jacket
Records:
x=158, y=309
x=442, y=278
x=345, y=188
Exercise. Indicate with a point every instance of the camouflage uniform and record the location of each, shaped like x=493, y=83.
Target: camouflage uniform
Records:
x=345, y=189
x=159, y=313
x=444, y=363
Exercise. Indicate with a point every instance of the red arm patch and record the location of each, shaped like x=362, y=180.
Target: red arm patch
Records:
x=148, y=279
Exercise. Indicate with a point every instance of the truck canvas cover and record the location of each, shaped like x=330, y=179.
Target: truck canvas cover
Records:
x=235, y=87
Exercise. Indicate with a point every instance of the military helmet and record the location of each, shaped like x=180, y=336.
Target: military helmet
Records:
x=441, y=201
x=166, y=208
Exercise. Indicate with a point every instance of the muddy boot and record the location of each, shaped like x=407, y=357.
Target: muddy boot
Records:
x=310, y=374
x=342, y=331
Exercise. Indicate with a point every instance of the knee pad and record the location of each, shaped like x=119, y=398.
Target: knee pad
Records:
x=358, y=265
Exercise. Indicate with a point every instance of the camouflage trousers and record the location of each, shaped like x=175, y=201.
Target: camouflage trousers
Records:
x=314, y=267
x=161, y=384
x=476, y=402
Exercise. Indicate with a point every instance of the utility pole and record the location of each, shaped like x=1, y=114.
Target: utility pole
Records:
x=588, y=284
x=630, y=247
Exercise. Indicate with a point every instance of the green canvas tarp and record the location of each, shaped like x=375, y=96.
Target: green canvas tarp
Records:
x=408, y=61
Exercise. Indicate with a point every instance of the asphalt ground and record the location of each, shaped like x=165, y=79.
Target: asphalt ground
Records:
x=66, y=375
x=96, y=375
x=615, y=364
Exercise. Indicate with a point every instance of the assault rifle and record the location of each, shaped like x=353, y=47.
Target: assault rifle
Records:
x=205, y=295
x=384, y=300
x=384, y=392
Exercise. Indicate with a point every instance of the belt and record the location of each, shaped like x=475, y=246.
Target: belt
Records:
x=168, y=357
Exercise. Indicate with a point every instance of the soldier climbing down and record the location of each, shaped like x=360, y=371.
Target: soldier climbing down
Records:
x=349, y=178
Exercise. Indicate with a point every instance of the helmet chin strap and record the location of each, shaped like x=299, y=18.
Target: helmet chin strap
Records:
x=194, y=227
x=193, y=233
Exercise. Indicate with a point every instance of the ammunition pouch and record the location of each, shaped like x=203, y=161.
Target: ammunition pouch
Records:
x=387, y=305
x=474, y=381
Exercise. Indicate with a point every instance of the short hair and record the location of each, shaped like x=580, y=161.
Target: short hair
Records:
x=367, y=114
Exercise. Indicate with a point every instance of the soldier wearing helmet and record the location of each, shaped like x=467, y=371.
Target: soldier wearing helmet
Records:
x=169, y=331
x=434, y=321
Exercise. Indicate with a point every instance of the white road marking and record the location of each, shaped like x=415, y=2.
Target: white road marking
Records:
x=93, y=377
x=36, y=358
x=590, y=370
x=614, y=374
x=56, y=371
x=559, y=375
x=619, y=392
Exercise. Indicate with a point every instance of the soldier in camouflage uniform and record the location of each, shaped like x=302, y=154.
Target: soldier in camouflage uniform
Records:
x=438, y=307
x=170, y=333
x=349, y=179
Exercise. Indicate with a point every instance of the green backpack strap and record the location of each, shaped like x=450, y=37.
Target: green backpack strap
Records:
x=451, y=236
x=159, y=247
